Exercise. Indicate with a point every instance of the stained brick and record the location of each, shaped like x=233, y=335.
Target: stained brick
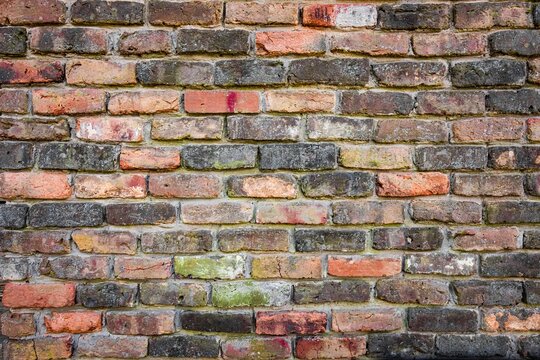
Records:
x=107, y=12
x=68, y=40
x=373, y=43
x=204, y=13
x=173, y=72
x=254, y=13
x=27, y=12
x=13, y=41
x=226, y=41
x=415, y=16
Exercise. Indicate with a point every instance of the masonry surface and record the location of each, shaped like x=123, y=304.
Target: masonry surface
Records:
x=269, y=180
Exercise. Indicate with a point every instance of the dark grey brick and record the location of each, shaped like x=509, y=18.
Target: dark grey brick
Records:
x=443, y=320
x=401, y=346
x=529, y=346
x=249, y=72
x=414, y=16
x=192, y=346
x=219, y=157
x=524, y=101
x=176, y=242
x=107, y=12
x=532, y=184
x=229, y=322
x=511, y=265
x=230, y=42
x=13, y=41
x=333, y=72
x=376, y=103
x=308, y=240
x=16, y=155
x=413, y=291
x=354, y=291
x=78, y=156
x=513, y=212
x=298, y=156
x=451, y=157
x=514, y=157
x=141, y=213
x=174, y=72
x=414, y=238
x=515, y=42
x=475, y=346
x=490, y=72
x=410, y=73
x=263, y=128
x=337, y=184
x=531, y=239
x=107, y=295
x=488, y=293
x=65, y=215
x=174, y=293
x=532, y=292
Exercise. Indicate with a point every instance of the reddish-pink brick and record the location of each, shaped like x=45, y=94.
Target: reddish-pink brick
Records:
x=290, y=322
x=75, y=322
x=30, y=71
x=68, y=101
x=26, y=12
x=114, y=129
x=221, y=101
x=133, y=268
x=363, y=266
x=301, y=42
x=292, y=213
x=184, y=186
x=110, y=186
x=18, y=295
x=449, y=44
x=372, y=43
x=149, y=158
x=487, y=239
x=144, y=102
x=34, y=185
x=335, y=347
x=412, y=184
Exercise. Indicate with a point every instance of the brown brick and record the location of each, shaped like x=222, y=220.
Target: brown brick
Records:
x=290, y=322
x=171, y=13
x=137, y=268
x=98, y=72
x=145, y=42
x=299, y=101
x=367, y=320
x=262, y=186
x=13, y=101
x=292, y=213
x=15, y=325
x=105, y=241
x=375, y=157
x=488, y=185
x=141, y=322
x=487, y=130
x=370, y=42
x=368, y=212
x=144, y=102
x=188, y=128
x=488, y=239
x=253, y=13
x=449, y=44
x=184, y=186
x=335, y=347
x=223, y=212
x=29, y=12
x=286, y=267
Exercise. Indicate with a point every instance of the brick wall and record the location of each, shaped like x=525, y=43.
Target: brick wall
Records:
x=269, y=180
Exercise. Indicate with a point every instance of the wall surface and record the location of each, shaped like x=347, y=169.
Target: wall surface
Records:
x=269, y=180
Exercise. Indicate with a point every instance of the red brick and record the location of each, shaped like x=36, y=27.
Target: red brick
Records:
x=449, y=44
x=145, y=42
x=533, y=129
x=223, y=212
x=335, y=347
x=254, y=13
x=486, y=239
x=286, y=267
x=144, y=102
x=363, y=266
x=17, y=295
x=105, y=242
x=110, y=186
x=109, y=129
x=30, y=71
x=75, y=322
x=339, y=15
x=366, y=320
x=290, y=322
x=300, y=42
x=292, y=213
x=300, y=101
x=412, y=184
x=185, y=186
x=149, y=158
x=133, y=268
x=372, y=43
x=59, y=347
x=141, y=322
x=26, y=12
x=34, y=185
x=16, y=325
x=68, y=101
x=221, y=101
x=99, y=72
x=487, y=130
x=13, y=101
x=505, y=320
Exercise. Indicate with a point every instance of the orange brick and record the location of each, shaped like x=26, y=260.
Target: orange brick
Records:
x=34, y=185
x=17, y=295
x=149, y=158
x=276, y=43
x=68, y=101
x=412, y=184
x=76, y=322
x=300, y=101
x=110, y=186
x=99, y=72
x=363, y=266
x=144, y=102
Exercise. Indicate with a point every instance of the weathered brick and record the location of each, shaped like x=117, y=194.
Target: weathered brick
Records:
x=188, y=128
x=221, y=102
x=28, y=242
x=68, y=101
x=144, y=102
x=133, y=268
x=409, y=130
x=229, y=322
x=534, y=71
x=367, y=212
x=19, y=349
x=486, y=239
x=531, y=239
x=149, y=158
x=290, y=322
x=223, y=212
x=356, y=291
x=515, y=42
x=75, y=322
x=376, y=103
x=13, y=101
x=249, y=293
x=300, y=101
x=34, y=185
x=76, y=267
x=409, y=238
x=145, y=42
x=109, y=295
x=339, y=15
x=490, y=72
x=30, y=71
x=251, y=348
x=451, y=158
x=412, y=184
x=203, y=13
x=511, y=265
x=177, y=242
x=532, y=292
x=16, y=325
x=363, y=266
x=23, y=295
x=410, y=73
x=110, y=186
x=354, y=72
x=413, y=291
x=14, y=268
x=514, y=157
x=190, y=346
x=173, y=293
x=210, y=267
x=173, y=72
x=401, y=345
x=302, y=157
x=415, y=16
x=508, y=212
x=68, y=40
x=57, y=347
x=254, y=13
x=480, y=345
x=107, y=12
x=533, y=129
x=252, y=239
x=511, y=320
x=524, y=101
x=13, y=41
x=13, y=216
x=442, y=320
x=78, y=156
x=329, y=127
x=337, y=184
x=99, y=72
x=367, y=320
x=262, y=186
x=292, y=213
x=184, y=186
x=225, y=41
x=263, y=128
x=449, y=44
x=489, y=130
x=488, y=293
x=27, y=12
x=373, y=43
x=298, y=42
x=34, y=129
x=528, y=345
x=140, y=322
x=105, y=241
x=375, y=157
x=249, y=72
x=103, y=346
x=335, y=347
x=141, y=213
x=484, y=15
x=451, y=102
x=65, y=214
x=487, y=185
x=286, y=267
x=441, y=263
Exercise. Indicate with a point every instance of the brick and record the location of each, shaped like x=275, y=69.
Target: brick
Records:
x=441, y=263
x=533, y=130
x=226, y=41
x=176, y=242
x=511, y=320
x=78, y=156
x=412, y=184
x=263, y=128
x=532, y=184
x=302, y=157
x=339, y=15
x=76, y=267
x=463, y=346
x=491, y=72
x=28, y=242
x=19, y=349
x=140, y=322
x=59, y=347
x=524, y=101
x=173, y=72
x=134, y=268
x=292, y=213
x=112, y=346
x=532, y=292
x=451, y=158
x=210, y=267
x=13, y=101
x=367, y=212
x=515, y=42
x=144, y=102
x=528, y=345
x=488, y=293
x=107, y=12
x=487, y=185
x=68, y=40
x=14, y=268
x=253, y=13
x=370, y=42
x=286, y=267
x=375, y=157
x=408, y=238
x=508, y=212
x=30, y=71
x=252, y=239
x=411, y=131
x=406, y=291
x=13, y=216
x=249, y=293
x=300, y=101
x=486, y=239
x=26, y=12
x=451, y=102
x=366, y=320
x=486, y=15
x=355, y=291
x=75, y=322
x=141, y=213
x=34, y=129
x=410, y=73
x=329, y=127
x=110, y=186
x=184, y=186
x=376, y=103
x=145, y=42
x=203, y=13
x=489, y=130
x=534, y=71
x=449, y=44
x=336, y=347
x=187, y=128
x=415, y=16
x=297, y=42
x=19, y=295
x=34, y=185
x=191, y=346
x=354, y=72
x=401, y=345
x=337, y=184
x=108, y=295
x=290, y=322
x=13, y=41
x=173, y=293
x=250, y=348
x=442, y=320
x=221, y=102
x=363, y=266
x=68, y=101
x=222, y=212
x=65, y=214
x=105, y=241
x=510, y=265
x=513, y=157
x=262, y=186
x=98, y=72
x=229, y=322
x=249, y=72
x=531, y=239
x=149, y=158
x=16, y=325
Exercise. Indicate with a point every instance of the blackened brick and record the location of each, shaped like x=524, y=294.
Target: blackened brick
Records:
x=174, y=293
x=78, y=156
x=337, y=184
x=13, y=216
x=231, y=42
x=107, y=12
x=442, y=320
x=141, y=214
x=514, y=157
x=532, y=184
x=414, y=238
x=249, y=239
x=69, y=40
x=249, y=72
x=333, y=72
x=513, y=212
x=524, y=101
x=488, y=293
x=219, y=157
x=475, y=346
x=376, y=103
x=77, y=267
x=529, y=346
x=16, y=155
x=515, y=42
x=12, y=41
x=307, y=240
x=298, y=156
x=192, y=346
x=491, y=72
x=451, y=157
x=532, y=292
x=531, y=239
x=410, y=73
x=176, y=242
x=229, y=322
x=109, y=295
x=354, y=291
x=402, y=291
x=448, y=211
x=263, y=128
x=414, y=16
x=511, y=265
x=401, y=346
x=173, y=72
x=65, y=215
x=204, y=13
